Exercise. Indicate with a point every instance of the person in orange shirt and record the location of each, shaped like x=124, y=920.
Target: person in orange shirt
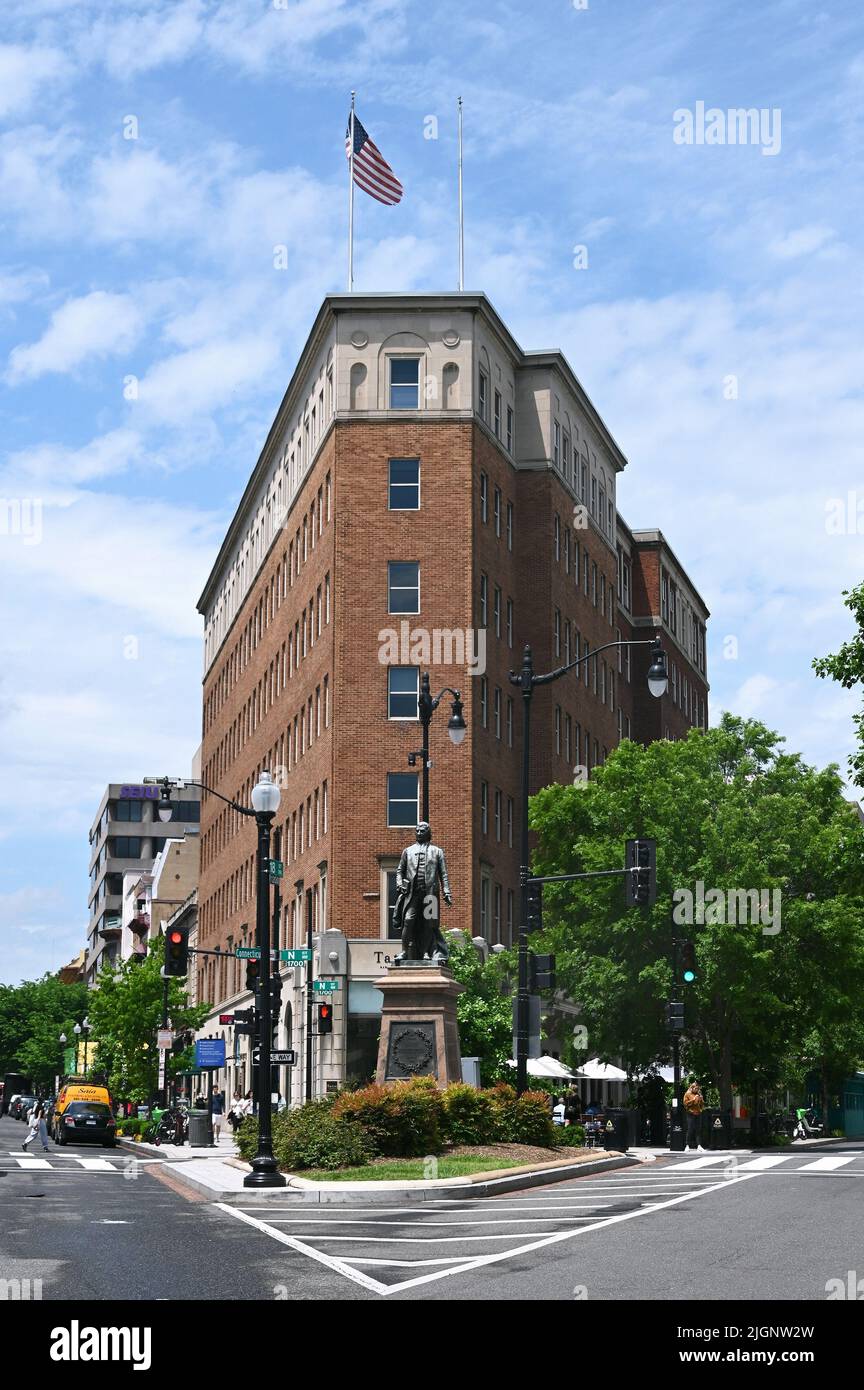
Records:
x=694, y=1104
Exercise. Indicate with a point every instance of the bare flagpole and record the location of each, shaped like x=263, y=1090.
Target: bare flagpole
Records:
x=461, y=222
x=351, y=198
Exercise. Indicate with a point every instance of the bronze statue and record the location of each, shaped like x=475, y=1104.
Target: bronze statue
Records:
x=422, y=872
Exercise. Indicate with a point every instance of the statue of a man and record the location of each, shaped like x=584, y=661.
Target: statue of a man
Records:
x=421, y=874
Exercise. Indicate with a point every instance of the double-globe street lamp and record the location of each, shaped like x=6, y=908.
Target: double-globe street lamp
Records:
x=526, y=679
x=265, y=803
x=427, y=703
x=84, y=1028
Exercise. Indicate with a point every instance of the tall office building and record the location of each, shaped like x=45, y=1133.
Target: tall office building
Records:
x=429, y=497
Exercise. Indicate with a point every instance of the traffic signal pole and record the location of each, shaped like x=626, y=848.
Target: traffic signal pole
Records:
x=310, y=1042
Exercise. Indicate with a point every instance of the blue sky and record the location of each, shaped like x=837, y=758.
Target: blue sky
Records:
x=146, y=338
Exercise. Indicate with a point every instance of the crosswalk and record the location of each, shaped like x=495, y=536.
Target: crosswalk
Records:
x=67, y=1163
x=393, y=1248
x=765, y=1163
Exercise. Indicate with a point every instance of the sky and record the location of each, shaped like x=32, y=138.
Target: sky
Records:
x=153, y=157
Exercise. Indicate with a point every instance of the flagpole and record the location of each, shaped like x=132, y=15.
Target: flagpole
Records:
x=351, y=200
x=461, y=222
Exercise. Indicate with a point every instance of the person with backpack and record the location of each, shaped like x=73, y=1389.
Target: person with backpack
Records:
x=694, y=1104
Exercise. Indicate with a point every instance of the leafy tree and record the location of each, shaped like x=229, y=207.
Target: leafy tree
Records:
x=847, y=667
x=484, y=1010
x=728, y=807
x=32, y=1017
x=125, y=1014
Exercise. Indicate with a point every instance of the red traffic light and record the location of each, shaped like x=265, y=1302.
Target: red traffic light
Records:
x=175, y=937
x=325, y=1018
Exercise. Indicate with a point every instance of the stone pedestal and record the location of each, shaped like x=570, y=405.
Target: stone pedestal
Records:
x=419, y=1033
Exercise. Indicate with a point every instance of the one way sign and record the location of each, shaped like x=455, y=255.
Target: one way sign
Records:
x=279, y=1059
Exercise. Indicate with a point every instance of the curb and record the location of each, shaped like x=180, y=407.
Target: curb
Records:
x=410, y=1192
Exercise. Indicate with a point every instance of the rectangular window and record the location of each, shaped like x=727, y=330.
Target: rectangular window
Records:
x=484, y=498
x=484, y=397
x=484, y=701
x=404, y=492
x=556, y=444
x=496, y=610
x=497, y=415
x=567, y=457
x=509, y=722
x=128, y=810
x=496, y=922
x=509, y=622
x=557, y=538
x=497, y=511
x=567, y=736
x=403, y=586
x=509, y=525
x=510, y=821
x=484, y=600
x=510, y=910
x=484, y=807
x=557, y=631
x=404, y=383
x=402, y=809
x=594, y=583
x=509, y=429
x=558, y=731
x=484, y=906
x=497, y=708
x=403, y=684
x=498, y=826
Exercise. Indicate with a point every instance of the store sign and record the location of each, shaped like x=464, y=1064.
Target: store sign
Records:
x=140, y=793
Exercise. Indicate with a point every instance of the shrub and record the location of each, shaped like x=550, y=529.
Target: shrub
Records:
x=570, y=1136
x=469, y=1115
x=402, y=1120
x=309, y=1137
x=532, y=1122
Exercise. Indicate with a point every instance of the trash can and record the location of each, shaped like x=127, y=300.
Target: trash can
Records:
x=199, y=1129
x=677, y=1134
x=717, y=1129
x=619, y=1128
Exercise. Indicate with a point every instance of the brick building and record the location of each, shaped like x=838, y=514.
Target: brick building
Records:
x=429, y=496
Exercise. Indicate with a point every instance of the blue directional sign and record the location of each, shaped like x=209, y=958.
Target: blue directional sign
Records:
x=210, y=1052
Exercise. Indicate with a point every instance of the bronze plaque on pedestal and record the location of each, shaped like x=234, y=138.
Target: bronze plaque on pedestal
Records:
x=412, y=1051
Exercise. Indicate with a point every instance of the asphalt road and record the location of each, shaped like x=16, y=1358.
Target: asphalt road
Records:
x=96, y=1224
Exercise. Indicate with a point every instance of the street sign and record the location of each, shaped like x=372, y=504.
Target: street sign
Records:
x=164, y=1039
x=210, y=1052
x=247, y=953
x=277, y=869
x=161, y=1081
x=325, y=986
x=296, y=957
x=279, y=1059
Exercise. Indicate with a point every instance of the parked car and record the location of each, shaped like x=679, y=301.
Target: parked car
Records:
x=23, y=1105
x=85, y=1119
x=13, y=1101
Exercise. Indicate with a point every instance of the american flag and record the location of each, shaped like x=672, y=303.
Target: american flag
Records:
x=372, y=173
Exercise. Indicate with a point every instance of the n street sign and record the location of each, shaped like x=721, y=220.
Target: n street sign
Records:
x=325, y=986
x=296, y=956
x=277, y=869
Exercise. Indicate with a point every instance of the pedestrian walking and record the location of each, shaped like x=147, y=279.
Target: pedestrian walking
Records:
x=237, y=1113
x=36, y=1121
x=694, y=1104
x=218, y=1112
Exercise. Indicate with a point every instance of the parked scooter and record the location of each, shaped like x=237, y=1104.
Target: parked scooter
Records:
x=805, y=1124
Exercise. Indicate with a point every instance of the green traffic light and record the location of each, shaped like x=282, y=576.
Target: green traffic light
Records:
x=689, y=976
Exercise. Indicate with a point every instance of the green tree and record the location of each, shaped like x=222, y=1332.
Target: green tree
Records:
x=847, y=667
x=32, y=1017
x=729, y=808
x=125, y=1014
x=484, y=1010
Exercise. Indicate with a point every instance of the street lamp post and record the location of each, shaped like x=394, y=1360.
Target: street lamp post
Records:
x=526, y=679
x=456, y=728
x=265, y=804
x=62, y=1042
x=84, y=1028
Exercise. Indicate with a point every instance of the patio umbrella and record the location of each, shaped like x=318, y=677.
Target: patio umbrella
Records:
x=595, y=1070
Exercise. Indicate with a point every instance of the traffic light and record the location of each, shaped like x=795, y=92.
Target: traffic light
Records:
x=541, y=972
x=177, y=951
x=640, y=881
x=534, y=918
x=244, y=1022
x=687, y=958
x=675, y=1017
x=325, y=1018
x=253, y=973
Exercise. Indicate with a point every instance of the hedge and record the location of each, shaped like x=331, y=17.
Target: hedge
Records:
x=407, y=1119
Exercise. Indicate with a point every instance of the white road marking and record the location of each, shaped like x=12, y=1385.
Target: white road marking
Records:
x=758, y=1165
x=338, y=1265
x=32, y=1162
x=437, y=1240
x=826, y=1165
x=691, y=1163
x=402, y=1225
x=97, y=1165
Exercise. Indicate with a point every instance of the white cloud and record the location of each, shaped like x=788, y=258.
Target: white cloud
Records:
x=804, y=241
x=56, y=464
x=97, y=325
x=25, y=72
x=208, y=378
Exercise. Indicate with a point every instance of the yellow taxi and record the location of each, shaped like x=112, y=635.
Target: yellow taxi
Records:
x=83, y=1112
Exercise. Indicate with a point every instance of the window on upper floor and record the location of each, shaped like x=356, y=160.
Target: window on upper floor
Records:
x=402, y=789
x=556, y=443
x=128, y=810
x=497, y=511
x=404, y=485
x=484, y=600
x=483, y=397
x=403, y=586
x=509, y=429
x=509, y=525
x=402, y=692
x=404, y=383
x=484, y=498
x=496, y=417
